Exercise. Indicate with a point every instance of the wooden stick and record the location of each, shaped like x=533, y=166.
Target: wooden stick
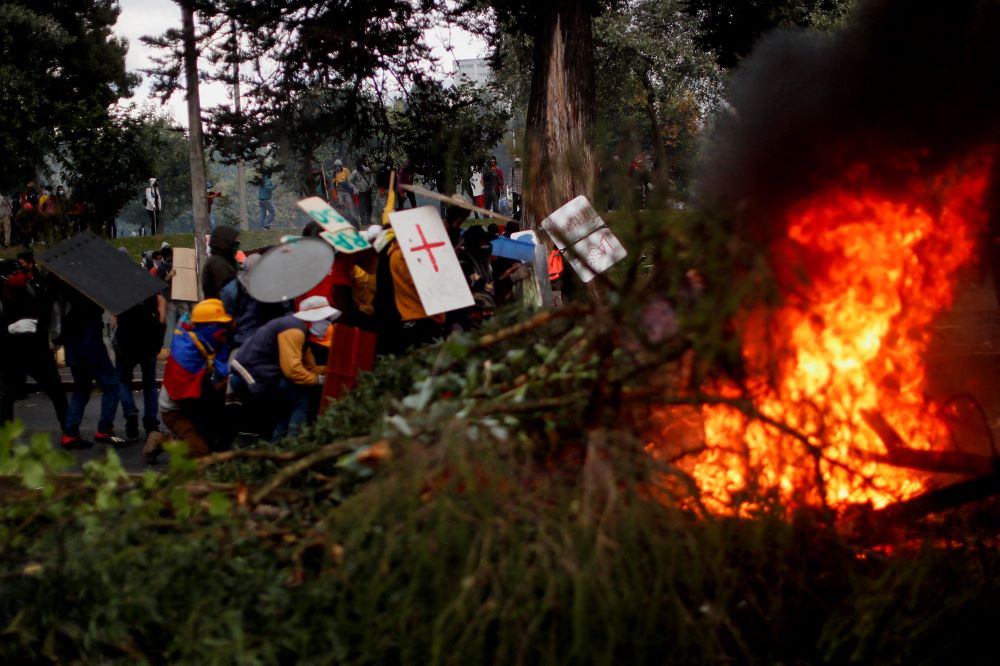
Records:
x=455, y=201
x=287, y=472
x=901, y=455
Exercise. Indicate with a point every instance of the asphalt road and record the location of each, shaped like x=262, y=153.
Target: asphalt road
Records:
x=38, y=416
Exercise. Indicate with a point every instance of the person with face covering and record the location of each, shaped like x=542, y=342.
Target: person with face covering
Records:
x=191, y=398
x=275, y=373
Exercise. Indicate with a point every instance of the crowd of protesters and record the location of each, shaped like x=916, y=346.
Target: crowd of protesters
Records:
x=235, y=364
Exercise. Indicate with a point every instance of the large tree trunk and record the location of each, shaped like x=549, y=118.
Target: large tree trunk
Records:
x=560, y=164
x=196, y=149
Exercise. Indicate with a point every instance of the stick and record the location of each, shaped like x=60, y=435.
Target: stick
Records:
x=455, y=201
x=900, y=455
x=252, y=454
x=539, y=320
x=288, y=471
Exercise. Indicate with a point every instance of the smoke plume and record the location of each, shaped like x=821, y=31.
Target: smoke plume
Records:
x=905, y=88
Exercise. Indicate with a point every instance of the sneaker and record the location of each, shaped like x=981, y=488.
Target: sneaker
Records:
x=74, y=442
x=109, y=438
x=132, y=427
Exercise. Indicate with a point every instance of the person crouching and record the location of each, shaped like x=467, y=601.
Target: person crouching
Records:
x=194, y=382
x=275, y=373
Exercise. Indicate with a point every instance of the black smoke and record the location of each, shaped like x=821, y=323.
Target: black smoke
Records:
x=911, y=82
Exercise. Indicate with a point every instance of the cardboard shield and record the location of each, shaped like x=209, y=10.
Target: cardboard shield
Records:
x=184, y=286
x=289, y=270
x=100, y=272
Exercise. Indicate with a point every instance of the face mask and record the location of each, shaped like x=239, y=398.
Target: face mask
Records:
x=319, y=328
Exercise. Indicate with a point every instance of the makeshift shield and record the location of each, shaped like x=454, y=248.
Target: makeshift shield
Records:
x=100, y=272
x=289, y=270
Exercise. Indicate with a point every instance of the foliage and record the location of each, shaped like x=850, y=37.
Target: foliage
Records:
x=61, y=69
x=730, y=28
x=444, y=130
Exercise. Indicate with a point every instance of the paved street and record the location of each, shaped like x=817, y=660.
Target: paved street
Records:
x=36, y=412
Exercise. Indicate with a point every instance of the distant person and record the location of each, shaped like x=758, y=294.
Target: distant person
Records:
x=222, y=266
x=154, y=205
x=267, y=211
x=476, y=185
x=362, y=181
x=405, y=177
x=490, y=185
x=516, y=188
x=211, y=196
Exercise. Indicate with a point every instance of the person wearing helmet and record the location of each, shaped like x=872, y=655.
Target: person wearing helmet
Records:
x=194, y=379
x=274, y=372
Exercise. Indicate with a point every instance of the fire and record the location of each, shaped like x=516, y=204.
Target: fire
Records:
x=849, y=338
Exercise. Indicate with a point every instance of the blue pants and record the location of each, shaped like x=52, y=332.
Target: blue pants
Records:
x=294, y=411
x=267, y=213
x=90, y=363
x=125, y=366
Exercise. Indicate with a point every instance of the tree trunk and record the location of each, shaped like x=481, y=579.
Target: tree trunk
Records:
x=196, y=149
x=561, y=109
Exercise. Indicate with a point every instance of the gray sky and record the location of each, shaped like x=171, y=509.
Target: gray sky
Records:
x=151, y=17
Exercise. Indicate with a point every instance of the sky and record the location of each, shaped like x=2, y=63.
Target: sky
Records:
x=151, y=17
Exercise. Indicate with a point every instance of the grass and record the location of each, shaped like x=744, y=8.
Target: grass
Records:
x=136, y=245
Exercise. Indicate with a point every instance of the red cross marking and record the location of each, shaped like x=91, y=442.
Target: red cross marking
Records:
x=427, y=247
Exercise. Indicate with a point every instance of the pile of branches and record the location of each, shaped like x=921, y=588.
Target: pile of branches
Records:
x=488, y=499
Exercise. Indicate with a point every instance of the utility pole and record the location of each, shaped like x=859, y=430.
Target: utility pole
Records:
x=241, y=167
x=196, y=149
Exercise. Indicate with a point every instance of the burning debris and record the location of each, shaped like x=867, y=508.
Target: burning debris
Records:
x=860, y=163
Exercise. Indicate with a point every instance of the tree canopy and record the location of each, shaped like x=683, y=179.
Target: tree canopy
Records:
x=61, y=69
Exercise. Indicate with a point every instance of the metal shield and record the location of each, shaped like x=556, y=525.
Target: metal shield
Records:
x=101, y=273
x=289, y=270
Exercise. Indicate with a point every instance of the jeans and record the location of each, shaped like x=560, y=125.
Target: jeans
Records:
x=267, y=213
x=125, y=366
x=90, y=363
x=294, y=409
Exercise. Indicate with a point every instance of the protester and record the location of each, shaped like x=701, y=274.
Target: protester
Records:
x=491, y=186
x=362, y=181
x=25, y=311
x=498, y=186
x=248, y=313
x=137, y=338
x=274, y=372
x=405, y=177
x=154, y=205
x=193, y=393
x=264, y=193
x=211, y=196
x=516, y=188
x=222, y=266
x=88, y=360
x=477, y=189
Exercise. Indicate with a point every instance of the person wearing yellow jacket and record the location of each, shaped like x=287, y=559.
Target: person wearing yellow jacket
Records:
x=274, y=373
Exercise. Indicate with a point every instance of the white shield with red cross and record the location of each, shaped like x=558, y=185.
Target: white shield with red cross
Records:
x=431, y=259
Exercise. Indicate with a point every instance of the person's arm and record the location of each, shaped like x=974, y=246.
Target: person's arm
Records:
x=161, y=308
x=290, y=344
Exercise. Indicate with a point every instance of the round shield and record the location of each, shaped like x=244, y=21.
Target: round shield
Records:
x=289, y=270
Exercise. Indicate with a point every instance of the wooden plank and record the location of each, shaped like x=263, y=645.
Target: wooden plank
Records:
x=184, y=286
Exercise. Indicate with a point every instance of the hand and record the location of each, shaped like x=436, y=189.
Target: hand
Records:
x=320, y=379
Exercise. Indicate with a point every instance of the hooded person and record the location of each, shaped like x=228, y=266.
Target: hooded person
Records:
x=275, y=373
x=193, y=392
x=248, y=313
x=222, y=266
x=153, y=204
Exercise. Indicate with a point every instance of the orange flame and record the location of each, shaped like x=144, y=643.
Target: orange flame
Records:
x=849, y=338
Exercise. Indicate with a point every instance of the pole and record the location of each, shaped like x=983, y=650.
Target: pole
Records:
x=241, y=167
x=196, y=149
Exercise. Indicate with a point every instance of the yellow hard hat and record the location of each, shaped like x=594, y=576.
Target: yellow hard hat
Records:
x=210, y=311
